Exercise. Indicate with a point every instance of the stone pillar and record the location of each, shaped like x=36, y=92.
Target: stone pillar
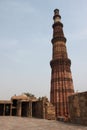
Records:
x=30, y=109
x=19, y=108
x=4, y=110
x=43, y=108
x=11, y=110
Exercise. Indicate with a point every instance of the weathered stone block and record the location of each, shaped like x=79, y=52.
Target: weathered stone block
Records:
x=78, y=108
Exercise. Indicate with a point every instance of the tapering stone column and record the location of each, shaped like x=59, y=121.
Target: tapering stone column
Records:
x=61, y=78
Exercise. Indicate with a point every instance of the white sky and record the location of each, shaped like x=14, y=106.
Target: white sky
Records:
x=26, y=49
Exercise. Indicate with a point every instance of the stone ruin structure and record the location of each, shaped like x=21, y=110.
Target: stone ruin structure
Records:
x=65, y=104
x=26, y=106
x=61, y=77
x=78, y=108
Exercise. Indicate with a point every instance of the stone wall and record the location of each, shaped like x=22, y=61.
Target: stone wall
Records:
x=78, y=108
x=50, y=111
x=47, y=109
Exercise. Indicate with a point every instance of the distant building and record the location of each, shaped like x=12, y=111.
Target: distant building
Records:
x=26, y=106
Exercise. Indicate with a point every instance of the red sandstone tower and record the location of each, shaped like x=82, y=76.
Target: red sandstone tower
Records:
x=61, y=78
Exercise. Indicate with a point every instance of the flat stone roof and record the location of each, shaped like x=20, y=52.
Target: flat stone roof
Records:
x=5, y=102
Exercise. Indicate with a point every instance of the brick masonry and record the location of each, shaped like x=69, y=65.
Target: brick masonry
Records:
x=61, y=77
x=78, y=108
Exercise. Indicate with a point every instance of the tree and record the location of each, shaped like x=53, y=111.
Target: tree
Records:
x=29, y=94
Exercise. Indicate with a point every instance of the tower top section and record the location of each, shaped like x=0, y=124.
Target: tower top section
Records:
x=56, y=17
x=58, y=34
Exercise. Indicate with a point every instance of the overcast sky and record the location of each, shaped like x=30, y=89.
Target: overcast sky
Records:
x=26, y=49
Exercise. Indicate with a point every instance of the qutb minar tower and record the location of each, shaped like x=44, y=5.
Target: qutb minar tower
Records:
x=61, y=78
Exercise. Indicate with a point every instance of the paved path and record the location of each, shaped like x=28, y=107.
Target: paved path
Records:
x=18, y=123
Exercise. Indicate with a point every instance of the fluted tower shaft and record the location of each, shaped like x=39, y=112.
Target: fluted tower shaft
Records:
x=61, y=78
